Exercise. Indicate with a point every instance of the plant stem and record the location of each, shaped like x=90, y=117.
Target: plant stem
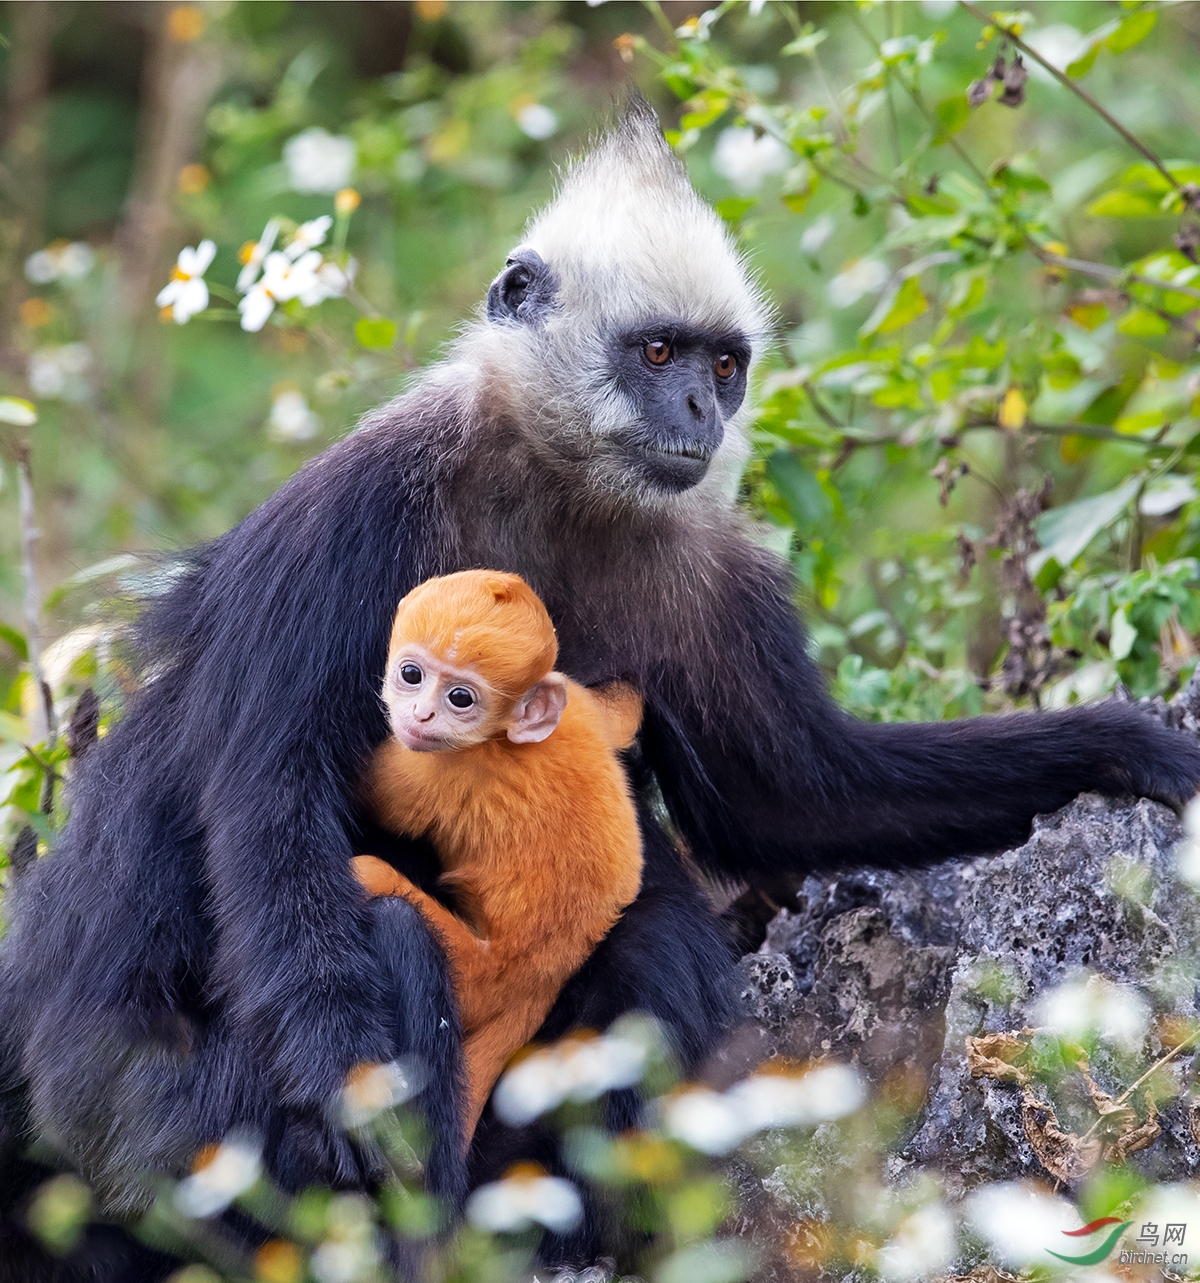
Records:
x=1158, y=1064
x=43, y=716
x=1076, y=89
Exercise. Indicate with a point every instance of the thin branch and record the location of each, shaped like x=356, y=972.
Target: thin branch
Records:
x=1102, y=272
x=1092, y=431
x=1076, y=89
x=821, y=408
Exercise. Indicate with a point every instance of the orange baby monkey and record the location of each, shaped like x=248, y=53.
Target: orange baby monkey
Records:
x=509, y=769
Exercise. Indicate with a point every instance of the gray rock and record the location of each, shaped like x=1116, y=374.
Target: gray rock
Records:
x=893, y=972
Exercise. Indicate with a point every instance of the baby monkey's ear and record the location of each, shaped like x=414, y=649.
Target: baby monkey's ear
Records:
x=539, y=710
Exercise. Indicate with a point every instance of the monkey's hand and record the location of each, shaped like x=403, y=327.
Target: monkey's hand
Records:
x=377, y=877
x=621, y=707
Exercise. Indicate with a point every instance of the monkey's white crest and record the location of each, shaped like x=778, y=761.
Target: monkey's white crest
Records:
x=629, y=240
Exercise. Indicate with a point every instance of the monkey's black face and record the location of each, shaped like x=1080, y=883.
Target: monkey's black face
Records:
x=686, y=383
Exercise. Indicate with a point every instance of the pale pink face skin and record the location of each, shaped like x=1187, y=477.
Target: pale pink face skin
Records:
x=437, y=707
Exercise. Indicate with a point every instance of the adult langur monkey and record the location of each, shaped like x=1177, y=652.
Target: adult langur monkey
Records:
x=196, y=956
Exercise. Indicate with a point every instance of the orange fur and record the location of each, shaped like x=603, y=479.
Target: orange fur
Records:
x=539, y=840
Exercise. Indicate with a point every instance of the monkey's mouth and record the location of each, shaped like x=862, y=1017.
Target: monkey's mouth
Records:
x=673, y=466
x=419, y=741
x=684, y=450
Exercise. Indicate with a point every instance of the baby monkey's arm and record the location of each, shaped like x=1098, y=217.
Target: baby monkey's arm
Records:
x=465, y=951
x=621, y=707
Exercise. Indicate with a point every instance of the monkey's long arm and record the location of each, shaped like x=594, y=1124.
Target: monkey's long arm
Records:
x=772, y=775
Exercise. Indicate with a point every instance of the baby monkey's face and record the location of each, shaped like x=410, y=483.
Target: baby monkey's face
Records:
x=437, y=707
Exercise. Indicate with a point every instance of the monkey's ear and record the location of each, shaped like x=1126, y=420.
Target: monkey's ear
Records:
x=524, y=291
x=539, y=710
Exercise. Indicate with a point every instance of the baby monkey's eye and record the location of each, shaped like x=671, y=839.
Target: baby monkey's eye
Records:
x=657, y=352
x=460, y=697
x=725, y=367
x=410, y=674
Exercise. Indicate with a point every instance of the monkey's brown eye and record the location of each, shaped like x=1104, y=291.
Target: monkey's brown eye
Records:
x=658, y=352
x=725, y=367
x=460, y=697
x=410, y=674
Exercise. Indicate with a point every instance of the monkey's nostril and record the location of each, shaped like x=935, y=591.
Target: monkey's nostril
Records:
x=695, y=406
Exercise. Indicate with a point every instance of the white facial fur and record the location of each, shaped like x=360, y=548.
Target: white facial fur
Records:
x=629, y=243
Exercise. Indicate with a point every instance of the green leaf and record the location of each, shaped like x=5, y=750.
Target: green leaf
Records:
x=704, y=109
x=1085, y=62
x=734, y=208
x=18, y=411
x=921, y=230
x=1018, y=174
x=1124, y=204
x=1166, y=495
x=16, y=640
x=1131, y=31
x=805, y=44
x=799, y=183
x=1141, y=421
x=1065, y=532
x=1141, y=323
x=1122, y=634
x=953, y=113
x=897, y=310
x=967, y=292
x=375, y=332
x=799, y=488
x=922, y=205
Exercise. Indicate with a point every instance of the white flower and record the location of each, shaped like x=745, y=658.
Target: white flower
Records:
x=309, y=235
x=291, y=419
x=705, y=1120
x=254, y=260
x=369, y=1089
x=318, y=161
x=573, y=1069
x=350, y=1253
x=1021, y=1222
x=817, y=233
x=921, y=1247
x=335, y=280
x=282, y=280
x=537, y=120
x=746, y=158
x=1187, y=853
x=522, y=1198
x=60, y=371
x=186, y=293
x=714, y=1122
x=1092, y=1004
x=796, y=1100
x=863, y=276
x=228, y=1171
x=60, y=261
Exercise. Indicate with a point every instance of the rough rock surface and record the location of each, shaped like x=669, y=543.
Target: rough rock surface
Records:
x=893, y=972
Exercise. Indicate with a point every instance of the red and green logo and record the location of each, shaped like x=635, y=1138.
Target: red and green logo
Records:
x=1106, y=1244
